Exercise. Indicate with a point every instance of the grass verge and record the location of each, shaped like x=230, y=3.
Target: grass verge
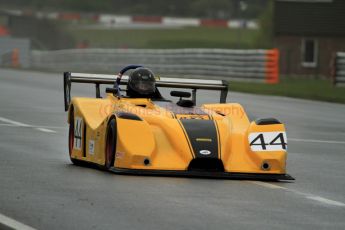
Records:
x=313, y=89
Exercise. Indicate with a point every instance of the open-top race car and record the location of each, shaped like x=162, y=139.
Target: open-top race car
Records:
x=143, y=133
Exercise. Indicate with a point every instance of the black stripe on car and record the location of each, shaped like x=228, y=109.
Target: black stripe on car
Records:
x=186, y=136
x=203, y=136
x=218, y=138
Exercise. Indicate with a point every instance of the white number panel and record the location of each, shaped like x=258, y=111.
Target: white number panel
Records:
x=78, y=132
x=268, y=141
x=91, y=147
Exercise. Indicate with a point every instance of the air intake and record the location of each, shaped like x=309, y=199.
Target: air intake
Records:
x=206, y=164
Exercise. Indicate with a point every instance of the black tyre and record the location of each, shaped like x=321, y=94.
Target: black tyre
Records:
x=110, y=145
x=71, y=135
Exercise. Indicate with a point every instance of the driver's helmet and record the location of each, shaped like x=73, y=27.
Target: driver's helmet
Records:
x=142, y=81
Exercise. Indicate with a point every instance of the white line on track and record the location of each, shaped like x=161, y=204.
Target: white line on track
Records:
x=9, y=125
x=305, y=195
x=15, y=123
x=316, y=141
x=52, y=127
x=326, y=201
x=46, y=130
x=20, y=124
x=13, y=224
x=47, y=127
x=267, y=185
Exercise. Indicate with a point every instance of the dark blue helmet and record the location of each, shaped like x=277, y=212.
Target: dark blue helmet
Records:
x=142, y=81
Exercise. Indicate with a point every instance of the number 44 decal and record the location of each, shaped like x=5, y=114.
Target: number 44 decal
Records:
x=268, y=141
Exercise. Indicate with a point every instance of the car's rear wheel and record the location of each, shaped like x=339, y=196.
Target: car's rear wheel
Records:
x=110, y=146
x=71, y=135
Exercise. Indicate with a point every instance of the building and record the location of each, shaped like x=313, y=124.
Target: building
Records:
x=308, y=33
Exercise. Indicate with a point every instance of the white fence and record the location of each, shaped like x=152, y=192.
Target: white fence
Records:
x=260, y=65
x=339, y=69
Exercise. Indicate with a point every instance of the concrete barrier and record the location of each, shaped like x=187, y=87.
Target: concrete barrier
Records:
x=244, y=65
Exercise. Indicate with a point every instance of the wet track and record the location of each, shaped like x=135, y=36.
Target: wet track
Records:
x=42, y=189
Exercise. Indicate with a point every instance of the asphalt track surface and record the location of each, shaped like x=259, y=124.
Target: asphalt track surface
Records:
x=39, y=187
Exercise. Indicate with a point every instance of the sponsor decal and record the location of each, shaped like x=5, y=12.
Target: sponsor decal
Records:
x=195, y=116
x=78, y=132
x=204, y=139
x=91, y=147
x=268, y=141
x=205, y=152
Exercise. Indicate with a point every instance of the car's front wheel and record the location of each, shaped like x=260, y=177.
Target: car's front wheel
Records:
x=110, y=144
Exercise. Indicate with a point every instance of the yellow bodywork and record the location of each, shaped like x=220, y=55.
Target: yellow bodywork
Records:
x=161, y=139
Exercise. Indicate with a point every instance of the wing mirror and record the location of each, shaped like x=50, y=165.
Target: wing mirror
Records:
x=179, y=94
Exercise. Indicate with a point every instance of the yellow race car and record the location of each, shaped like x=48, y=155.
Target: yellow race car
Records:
x=135, y=130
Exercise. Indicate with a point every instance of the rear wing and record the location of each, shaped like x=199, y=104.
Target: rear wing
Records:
x=100, y=79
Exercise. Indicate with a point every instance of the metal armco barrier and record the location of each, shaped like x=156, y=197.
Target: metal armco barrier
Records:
x=250, y=65
x=338, y=70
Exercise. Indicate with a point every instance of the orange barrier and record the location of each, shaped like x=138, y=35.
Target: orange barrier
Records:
x=4, y=31
x=11, y=59
x=272, y=66
x=15, y=58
